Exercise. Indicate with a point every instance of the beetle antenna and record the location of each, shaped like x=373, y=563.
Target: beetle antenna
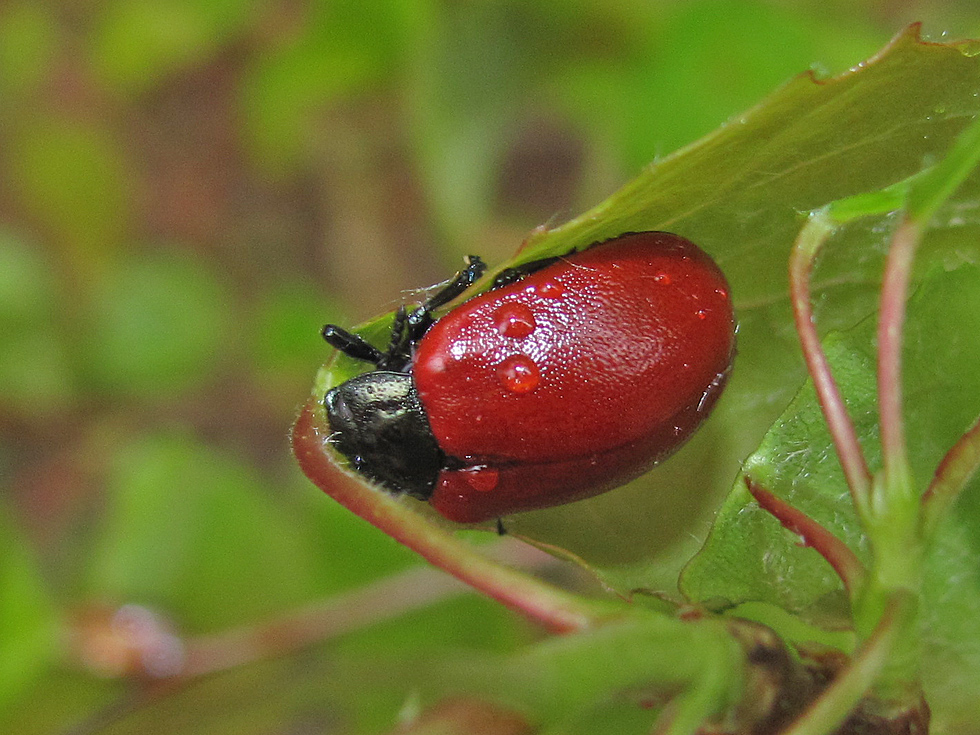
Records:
x=351, y=344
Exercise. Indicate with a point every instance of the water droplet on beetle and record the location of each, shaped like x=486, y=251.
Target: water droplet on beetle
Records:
x=662, y=278
x=701, y=314
x=519, y=374
x=550, y=290
x=722, y=292
x=481, y=478
x=514, y=320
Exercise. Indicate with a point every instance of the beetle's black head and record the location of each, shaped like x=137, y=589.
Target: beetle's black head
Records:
x=378, y=423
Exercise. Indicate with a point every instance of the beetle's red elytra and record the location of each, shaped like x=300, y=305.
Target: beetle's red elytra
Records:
x=569, y=377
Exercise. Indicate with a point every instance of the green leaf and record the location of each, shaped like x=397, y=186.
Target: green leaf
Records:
x=739, y=193
x=34, y=369
x=934, y=187
x=280, y=330
x=27, y=45
x=346, y=49
x=466, y=65
x=27, y=285
x=160, y=323
x=191, y=532
x=138, y=42
x=749, y=556
x=951, y=642
x=942, y=398
x=28, y=624
x=75, y=179
x=701, y=47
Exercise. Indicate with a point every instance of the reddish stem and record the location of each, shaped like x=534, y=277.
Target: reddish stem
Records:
x=354, y=610
x=952, y=474
x=813, y=535
x=894, y=291
x=338, y=615
x=558, y=611
x=829, y=396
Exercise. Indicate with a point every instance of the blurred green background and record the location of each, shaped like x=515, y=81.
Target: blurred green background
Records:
x=189, y=189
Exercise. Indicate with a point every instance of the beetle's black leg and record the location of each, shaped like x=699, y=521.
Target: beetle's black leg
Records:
x=511, y=275
x=421, y=319
x=461, y=281
x=406, y=328
x=351, y=345
x=501, y=531
x=397, y=355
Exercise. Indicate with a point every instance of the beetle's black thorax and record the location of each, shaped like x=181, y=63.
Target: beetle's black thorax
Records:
x=379, y=424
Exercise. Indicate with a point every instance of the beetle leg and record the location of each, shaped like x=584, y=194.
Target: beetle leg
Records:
x=421, y=319
x=397, y=355
x=511, y=275
x=460, y=282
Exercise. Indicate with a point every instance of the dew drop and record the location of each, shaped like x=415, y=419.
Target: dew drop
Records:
x=519, y=374
x=722, y=292
x=662, y=278
x=701, y=314
x=481, y=478
x=514, y=320
x=551, y=290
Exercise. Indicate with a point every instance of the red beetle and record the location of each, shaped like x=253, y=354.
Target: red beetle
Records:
x=569, y=377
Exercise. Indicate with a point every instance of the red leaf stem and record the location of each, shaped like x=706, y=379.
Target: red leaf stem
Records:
x=813, y=535
x=842, y=431
x=558, y=611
